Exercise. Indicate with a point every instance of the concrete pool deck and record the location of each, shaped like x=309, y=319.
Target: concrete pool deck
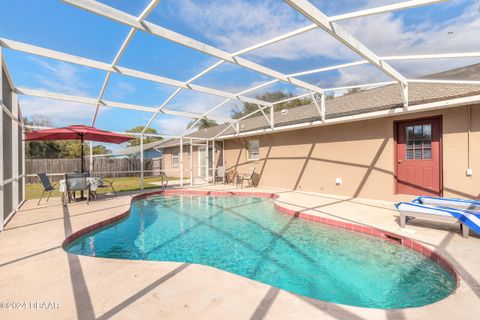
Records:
x=36, y=272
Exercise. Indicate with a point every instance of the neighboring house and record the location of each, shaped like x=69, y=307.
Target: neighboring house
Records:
x=366, y=146
x=150, y=151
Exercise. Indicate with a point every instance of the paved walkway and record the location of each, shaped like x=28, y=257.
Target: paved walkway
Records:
x=34, y=269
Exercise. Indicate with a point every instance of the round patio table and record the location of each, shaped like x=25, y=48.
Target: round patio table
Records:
x=93, y=183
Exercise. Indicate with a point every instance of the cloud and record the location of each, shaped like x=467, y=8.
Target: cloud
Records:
x=234, y=25
x=388, y=34
x=61, y=113
x=121, y=89
x=197, y=103
x=171, y=125
x=63, y=78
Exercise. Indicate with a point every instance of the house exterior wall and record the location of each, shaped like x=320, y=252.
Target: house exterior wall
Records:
x=362, y=154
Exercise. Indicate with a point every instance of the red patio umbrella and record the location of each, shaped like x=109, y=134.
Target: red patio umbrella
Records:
x=77, y=132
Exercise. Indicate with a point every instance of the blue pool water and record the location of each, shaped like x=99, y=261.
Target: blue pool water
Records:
x=247, y=236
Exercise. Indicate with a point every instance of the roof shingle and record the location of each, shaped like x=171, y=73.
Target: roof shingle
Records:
x=381, y=98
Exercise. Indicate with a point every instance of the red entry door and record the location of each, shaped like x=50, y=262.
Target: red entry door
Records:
x=418, y=157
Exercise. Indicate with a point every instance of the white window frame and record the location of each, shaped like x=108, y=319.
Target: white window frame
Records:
x=175, y=156
x=249, y=153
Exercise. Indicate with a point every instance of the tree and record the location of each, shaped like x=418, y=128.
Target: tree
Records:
x=353, y=90
x=101, y=149
x=329, y=96
x=71, y=149
x=203, y=123
x=41, y=149
x=247, y=108
x=53, y=149
x=139, y=129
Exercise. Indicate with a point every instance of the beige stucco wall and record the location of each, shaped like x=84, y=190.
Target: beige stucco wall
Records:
x=362, y=154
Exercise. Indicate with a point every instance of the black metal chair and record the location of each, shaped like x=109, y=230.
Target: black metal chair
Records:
x=47, y=186
x=246, y=177
x=164, y=177
x=75, y=182
x=106, y=183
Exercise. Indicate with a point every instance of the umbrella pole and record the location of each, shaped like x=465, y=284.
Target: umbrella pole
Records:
x=81, y=157
x=81, y=151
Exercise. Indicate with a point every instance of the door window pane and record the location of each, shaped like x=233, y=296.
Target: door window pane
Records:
x=418, y=154
x=427, y=132
x=418, y=142
x=409, y=154
x=409, y=132
x=417, y=130
x=427, y=153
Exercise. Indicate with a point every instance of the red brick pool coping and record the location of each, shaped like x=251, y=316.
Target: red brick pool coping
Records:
x=379, y=233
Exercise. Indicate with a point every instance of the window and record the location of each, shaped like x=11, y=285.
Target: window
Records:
x=175, y=158
x=419, y=142
x=253, y=147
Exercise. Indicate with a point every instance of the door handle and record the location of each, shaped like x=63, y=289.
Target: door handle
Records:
x=399, y=161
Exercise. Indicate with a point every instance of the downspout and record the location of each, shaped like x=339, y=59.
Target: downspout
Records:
x=469, y=129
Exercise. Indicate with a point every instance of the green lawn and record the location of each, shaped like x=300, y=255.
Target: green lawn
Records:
x=34, y=190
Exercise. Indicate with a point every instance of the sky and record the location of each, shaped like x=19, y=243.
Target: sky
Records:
x=231, y=25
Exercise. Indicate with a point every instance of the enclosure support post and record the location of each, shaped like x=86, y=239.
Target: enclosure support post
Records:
x=14, y=155
x=322, y=107
x=90, y=165
x=405, y=95
x=24, y=170
x=223, y=153
x=213, y=161
x=191, y=163
x=141, y=161
x=181, y=162
x=272, y=117
x=2, y=215
x=207, y=158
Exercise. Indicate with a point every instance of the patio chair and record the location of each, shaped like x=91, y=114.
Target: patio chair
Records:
x=47, y=186
x=164, y=177
x=246, y=177
x=231, y=176
x=107, y=183
x=219, y=175
x=75, y=182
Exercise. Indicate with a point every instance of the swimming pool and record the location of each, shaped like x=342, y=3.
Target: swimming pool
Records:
x=248, y=237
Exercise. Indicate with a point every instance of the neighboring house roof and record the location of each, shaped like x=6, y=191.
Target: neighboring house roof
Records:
x=172, y=143
x=136, y=149
x=381, y=98
x=471, y=72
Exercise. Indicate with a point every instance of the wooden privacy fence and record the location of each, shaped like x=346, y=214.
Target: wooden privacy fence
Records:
x=55, y=168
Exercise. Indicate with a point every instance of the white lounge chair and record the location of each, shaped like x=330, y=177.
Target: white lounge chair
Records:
x=467, y=219
x=449, y=202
